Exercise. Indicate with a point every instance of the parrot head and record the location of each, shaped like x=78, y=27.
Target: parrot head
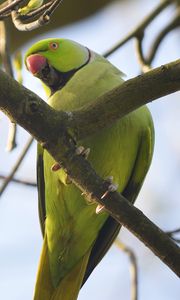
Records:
x=54, y=61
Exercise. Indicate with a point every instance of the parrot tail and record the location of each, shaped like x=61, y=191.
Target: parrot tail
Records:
x=69, y=286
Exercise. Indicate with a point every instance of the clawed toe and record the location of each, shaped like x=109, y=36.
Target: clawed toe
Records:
x=99, y=209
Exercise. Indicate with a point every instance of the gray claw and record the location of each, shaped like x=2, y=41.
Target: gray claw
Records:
x=111, y=188
x=82, y=151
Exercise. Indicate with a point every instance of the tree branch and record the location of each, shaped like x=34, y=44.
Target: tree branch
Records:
x=27, y=109
x=125, y=98
x=41, y=21
x=139, y=30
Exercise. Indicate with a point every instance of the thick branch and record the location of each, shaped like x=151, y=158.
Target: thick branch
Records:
x=127, y=97
x=49, y=127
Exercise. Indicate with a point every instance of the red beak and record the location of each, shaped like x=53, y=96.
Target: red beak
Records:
x=35, y=63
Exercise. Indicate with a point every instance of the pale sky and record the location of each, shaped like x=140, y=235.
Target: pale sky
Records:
x=20, y=242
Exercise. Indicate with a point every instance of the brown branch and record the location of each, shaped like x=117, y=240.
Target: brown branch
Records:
x=10, y=6
x=41, y=21
x=173, y=231
x=50, y=10
x=34, y=115
x=29, y=26
x=129, y=96
x=2, y=17
x=172, y=234
x=140, y=55
x=37, y=11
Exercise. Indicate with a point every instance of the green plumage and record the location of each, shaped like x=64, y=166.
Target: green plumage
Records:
x=73, y=231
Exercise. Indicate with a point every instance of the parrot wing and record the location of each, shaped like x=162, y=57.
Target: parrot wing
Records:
x=111, y=227
x=41, y=188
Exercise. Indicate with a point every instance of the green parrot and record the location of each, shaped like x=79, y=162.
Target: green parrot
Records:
x=75, y=236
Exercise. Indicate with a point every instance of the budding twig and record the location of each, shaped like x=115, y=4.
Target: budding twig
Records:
x=41, y=21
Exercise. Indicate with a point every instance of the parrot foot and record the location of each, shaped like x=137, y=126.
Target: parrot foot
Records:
x=82, y=151
x=55, y=167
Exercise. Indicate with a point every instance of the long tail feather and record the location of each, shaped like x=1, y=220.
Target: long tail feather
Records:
x=44, y=288
x=69, y=286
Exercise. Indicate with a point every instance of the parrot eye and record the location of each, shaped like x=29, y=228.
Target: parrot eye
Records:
x=53, y=46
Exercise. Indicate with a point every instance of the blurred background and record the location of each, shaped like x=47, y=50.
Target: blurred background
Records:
x=98, y=25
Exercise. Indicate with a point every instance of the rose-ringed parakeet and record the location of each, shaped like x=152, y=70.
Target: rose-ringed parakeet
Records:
x=75, y=237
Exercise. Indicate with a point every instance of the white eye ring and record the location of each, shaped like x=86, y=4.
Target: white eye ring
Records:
x=53, y=45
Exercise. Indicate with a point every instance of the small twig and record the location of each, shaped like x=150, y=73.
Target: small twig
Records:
x=139, y=30
x=16, y=19
x=10, y=6
x=42, y=20
x=141, y=58
x=171, y=26
x=19, y=181
x=5, y=16
x=52, y=8
x=37, y=11
x=133, y=268
x=6, y=61
x=16, y=166
x=172, y=233
x=175, y=239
